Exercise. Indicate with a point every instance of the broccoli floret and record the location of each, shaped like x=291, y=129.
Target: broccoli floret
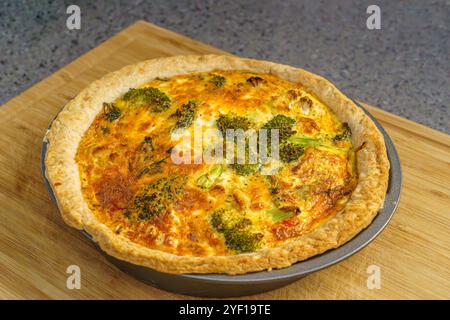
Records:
x=218, y=81
x=155, y=199
x=111, y=111
x=278, y=121
x=230, y=121
x=345, y=134
x=170, y=186
x=236, y=230
x=149, y=206
x=283, y=123
x=290, y=152
x=247, y=168
x=154, y=98
x=185, y=115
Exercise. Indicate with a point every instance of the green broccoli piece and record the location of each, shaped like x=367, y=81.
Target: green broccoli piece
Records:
x=153, y=98
x=171, y=186
x=283, y=123
x=236, y=230
x=218, y=81
x=228, y=122
x=345, y=133
x=111, y=111
x=185, y=115
x=155, y=199
x=149, y=206
x=279, y=121
x=246, y=168
x=290, y=152
x=234, y=122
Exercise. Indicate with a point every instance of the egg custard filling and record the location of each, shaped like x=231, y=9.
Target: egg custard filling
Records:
x=132, y=185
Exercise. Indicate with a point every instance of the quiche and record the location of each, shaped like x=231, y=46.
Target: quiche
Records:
x=126, y=160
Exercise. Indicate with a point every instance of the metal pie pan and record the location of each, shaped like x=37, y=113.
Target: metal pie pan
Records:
x=221, y=285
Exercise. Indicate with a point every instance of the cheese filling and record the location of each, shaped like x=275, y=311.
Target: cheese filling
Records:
x=198, y=208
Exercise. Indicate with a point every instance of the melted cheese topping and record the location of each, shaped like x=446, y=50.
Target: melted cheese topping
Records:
x=132, y=185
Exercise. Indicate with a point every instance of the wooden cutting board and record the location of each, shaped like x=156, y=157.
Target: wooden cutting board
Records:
x=36, y=247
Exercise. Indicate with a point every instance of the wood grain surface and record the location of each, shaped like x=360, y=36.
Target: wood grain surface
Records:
x=36, y=247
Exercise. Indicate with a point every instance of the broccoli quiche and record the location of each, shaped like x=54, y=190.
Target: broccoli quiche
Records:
x=126, y=160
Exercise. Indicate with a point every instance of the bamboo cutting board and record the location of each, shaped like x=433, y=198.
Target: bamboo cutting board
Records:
x=36, y=247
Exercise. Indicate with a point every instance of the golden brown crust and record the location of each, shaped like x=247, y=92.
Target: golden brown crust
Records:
x=76, y=117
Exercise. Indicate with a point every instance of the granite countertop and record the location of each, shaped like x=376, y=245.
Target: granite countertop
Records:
x=403, y=68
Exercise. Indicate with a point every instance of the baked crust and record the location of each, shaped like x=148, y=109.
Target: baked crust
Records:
x=76, y=117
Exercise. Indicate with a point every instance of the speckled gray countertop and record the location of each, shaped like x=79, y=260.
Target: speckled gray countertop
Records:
x=403, y=68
